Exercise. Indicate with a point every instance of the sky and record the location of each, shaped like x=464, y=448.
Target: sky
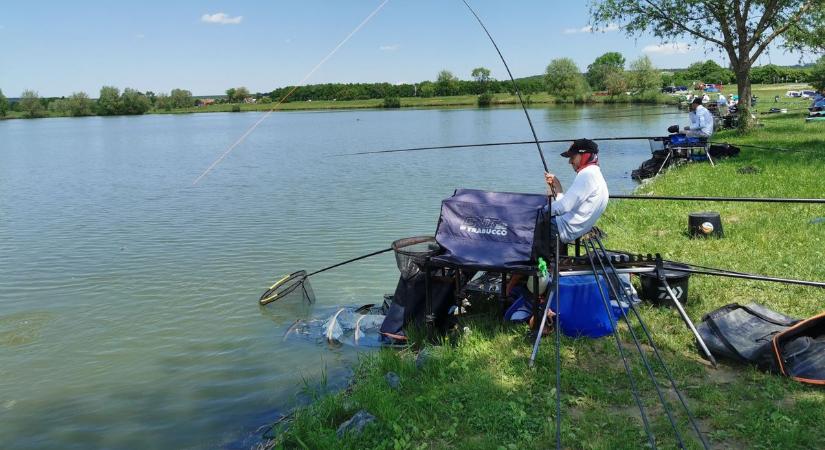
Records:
x=206, y=46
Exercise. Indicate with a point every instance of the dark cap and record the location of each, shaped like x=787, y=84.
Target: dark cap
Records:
x=697, y=101
x=581, y=146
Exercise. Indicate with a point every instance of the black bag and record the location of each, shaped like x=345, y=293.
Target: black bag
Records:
x=772, y=341
x=409, y=303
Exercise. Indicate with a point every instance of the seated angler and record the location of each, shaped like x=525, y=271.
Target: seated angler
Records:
x=573, y=213
x=701, y=121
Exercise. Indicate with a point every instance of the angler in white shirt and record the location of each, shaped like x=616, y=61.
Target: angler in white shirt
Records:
x=701, y=120
x=576, y=211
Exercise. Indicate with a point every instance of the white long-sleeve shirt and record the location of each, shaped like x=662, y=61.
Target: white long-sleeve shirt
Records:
x=578, y=209
x=701, y=121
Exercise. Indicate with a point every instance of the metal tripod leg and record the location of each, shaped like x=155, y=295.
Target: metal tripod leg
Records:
x=688, y=322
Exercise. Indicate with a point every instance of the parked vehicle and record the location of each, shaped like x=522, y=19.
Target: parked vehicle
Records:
x=807, y=94
x=793, y=94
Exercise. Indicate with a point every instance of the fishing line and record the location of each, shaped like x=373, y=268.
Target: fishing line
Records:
x=309, y=74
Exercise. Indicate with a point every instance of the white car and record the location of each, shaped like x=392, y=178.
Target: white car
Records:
x=793, y=94
x=807, y=94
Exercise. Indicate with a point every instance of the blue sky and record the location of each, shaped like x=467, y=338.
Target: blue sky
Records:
x=57, y=47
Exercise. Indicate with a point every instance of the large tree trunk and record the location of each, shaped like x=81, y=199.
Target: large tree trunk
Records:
x=743, y=84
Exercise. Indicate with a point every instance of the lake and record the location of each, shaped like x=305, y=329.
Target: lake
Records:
x=128, y=294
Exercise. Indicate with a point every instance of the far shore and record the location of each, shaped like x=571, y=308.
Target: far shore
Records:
x=767, y=93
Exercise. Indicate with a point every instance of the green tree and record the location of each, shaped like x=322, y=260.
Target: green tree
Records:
x=30, y=104
x=426, y=89
x=564, y=80
x=615, y=83
x=808, y=33
x=238, y=94
x=59, y=107
x=181, y=98
x=742, y=30
x=817, y=79
x=446, y=83
x=482, y=77
x=163, y=102
x=602, y=66
x=108, y=102
x=79, y=104
x=134, y=102
x=644, y=77
x=4, y=104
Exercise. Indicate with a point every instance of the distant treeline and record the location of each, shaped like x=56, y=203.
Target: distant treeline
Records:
x=606, y=76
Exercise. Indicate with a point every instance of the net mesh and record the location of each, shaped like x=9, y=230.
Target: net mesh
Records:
x=412, y=252
x=293, y=286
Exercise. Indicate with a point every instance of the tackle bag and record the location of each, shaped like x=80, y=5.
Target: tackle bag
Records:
x=772, y=341
x=409, y=303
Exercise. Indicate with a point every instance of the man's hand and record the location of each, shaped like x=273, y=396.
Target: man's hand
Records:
x=553, y=183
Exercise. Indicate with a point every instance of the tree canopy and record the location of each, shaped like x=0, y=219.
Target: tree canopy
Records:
x=564, y=80
x=644, y=77
x=30, y=104
x=598, y=71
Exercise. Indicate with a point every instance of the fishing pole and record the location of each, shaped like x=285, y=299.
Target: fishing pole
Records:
x=720, y=199
x=569, y=119
x=515, y=86
x=605, y=257
x=634, y=390
x=759, y=147
x=746, y=276
x=493, y=144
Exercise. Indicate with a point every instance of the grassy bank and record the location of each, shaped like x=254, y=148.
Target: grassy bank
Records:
x=479, y=392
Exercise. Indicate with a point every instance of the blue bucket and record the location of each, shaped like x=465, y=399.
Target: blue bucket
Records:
x=582, y=312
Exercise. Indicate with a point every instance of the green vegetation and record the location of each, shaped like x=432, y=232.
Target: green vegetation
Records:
x=31, y=106
x=605, y=67
x=818, y=74
x=565, y=81
x=485, y=99
x=477, y=391
x=740, y=30
x=4, y=104
x=392, y=102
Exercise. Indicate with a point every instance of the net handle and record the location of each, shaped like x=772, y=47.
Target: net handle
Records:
x=350, y=260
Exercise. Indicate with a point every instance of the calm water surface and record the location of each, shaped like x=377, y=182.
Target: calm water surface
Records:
x=128, y=296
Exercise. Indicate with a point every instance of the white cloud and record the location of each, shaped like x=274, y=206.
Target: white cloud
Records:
x=221, y=18
x=668, y=49
x=589, y=29
x=139, y=36
x=389, y=48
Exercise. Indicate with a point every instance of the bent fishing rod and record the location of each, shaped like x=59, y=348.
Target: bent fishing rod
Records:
x=513, y=81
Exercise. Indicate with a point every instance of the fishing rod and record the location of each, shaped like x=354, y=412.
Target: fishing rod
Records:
x=621, y=293
x=569, y=119
x=745, y=276
x=515, y=86
x=720, y=199
x=493, y=144
x=614, y=325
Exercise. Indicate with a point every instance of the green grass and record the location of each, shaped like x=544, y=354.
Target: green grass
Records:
x=480, y=393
